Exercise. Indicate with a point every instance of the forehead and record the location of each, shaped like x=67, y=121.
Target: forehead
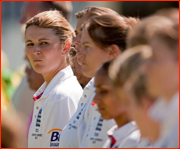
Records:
x=38, y=32
x=80, y=22
x=85, y=35
x=101, y=78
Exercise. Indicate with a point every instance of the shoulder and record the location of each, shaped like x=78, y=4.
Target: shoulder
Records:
x=132, y=140
x=68, y=89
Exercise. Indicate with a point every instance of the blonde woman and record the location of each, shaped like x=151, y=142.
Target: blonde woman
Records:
x=48, y=39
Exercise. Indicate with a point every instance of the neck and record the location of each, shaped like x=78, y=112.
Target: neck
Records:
x=169, y=95
x=50, y=75
x=154, y=130
x=121, y=120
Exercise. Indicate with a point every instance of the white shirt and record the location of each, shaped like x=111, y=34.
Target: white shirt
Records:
x=172, y=141
x=72, y=134
x=53, y=109
x=127, y=136
x=168, y=115
x=96, y=130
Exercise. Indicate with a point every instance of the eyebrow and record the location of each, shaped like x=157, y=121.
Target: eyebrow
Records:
x=85, y=43
x=99, y=85
x=39, y=39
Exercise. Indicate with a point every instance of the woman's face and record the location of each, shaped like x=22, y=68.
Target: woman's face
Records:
x=90, y=56
x=108, y=104
x=43, y=49
x=138, y=112
x=162, y=71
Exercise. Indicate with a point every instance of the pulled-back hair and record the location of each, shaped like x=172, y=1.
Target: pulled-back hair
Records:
x=108, y=29
x=127, y=64
x=153, y=28
x=94, y=11
x=54, y=19
x=105, y=68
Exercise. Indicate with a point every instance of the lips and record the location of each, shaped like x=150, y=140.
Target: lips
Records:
x=100, y=109
x=37, y=60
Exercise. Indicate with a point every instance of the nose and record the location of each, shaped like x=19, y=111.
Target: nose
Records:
x=96, y=99
x=36, y=50
x=77, y=42
x=80, y=56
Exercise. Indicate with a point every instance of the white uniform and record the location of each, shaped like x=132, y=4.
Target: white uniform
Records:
x=72, y=134
x=96, y=130
x=127, y=136
x=144, y=143
x=53, y=108
x=168, y=115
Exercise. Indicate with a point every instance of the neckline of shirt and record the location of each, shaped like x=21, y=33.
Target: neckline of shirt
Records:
x=124, y=130
x=58, y=78
x=90, y=85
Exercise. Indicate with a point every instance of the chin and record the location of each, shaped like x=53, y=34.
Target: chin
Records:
x=106, y=117
x=40, y=70
x=86, y=73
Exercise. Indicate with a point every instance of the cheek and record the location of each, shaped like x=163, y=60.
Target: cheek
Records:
x=113, y=106
x=28, y=52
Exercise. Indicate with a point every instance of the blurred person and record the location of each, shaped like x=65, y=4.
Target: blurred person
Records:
x=48, y=38
x=34, y=79
x=162, y=72
x=171, y=13
x=12, y=130
x=126, y=133
x=139, y=104
x=72, y=135
x=83, y=80
x=126, y=77
x=104, y=36
x=31, y=8
x=163, y=79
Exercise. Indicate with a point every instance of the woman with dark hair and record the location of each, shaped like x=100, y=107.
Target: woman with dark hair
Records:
x=103, y=39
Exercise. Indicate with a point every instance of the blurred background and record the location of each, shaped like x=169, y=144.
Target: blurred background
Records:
x=12, y=51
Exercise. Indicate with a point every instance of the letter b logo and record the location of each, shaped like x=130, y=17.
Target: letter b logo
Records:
x=55, y=136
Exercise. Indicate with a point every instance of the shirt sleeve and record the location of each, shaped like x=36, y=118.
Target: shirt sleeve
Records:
x=57, y=115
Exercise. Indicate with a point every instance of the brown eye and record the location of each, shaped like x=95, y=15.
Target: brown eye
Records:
x=44, y=43
x=29, y=44
x=103, y=92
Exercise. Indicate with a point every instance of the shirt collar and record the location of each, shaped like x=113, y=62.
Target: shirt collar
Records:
x=58, y=78
x=157, y=110
x=125, y=130
x=90, y=85
x=174, y=101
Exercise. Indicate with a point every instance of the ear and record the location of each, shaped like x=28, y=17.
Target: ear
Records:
x=113, y=51
x=67, y=47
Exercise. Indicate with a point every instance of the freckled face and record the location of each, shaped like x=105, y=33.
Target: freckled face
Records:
x=43, y=49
